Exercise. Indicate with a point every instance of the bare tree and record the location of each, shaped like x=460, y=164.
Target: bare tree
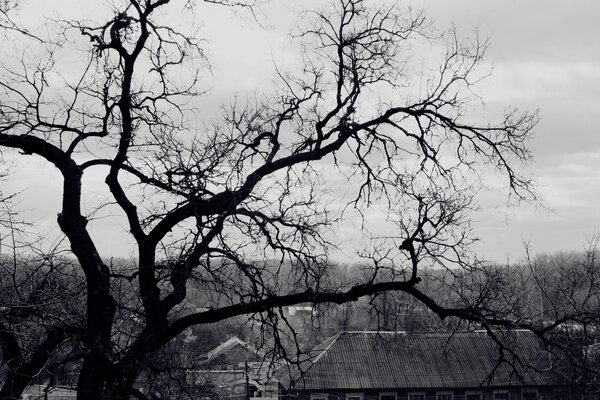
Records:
x=205, y=206
x=553, y=295
x=563, y=291
x=41, y=320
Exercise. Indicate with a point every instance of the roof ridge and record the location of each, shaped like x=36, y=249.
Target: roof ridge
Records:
x=334, y=339
x=230, y=343
x=223, y=345
x=421, y=332
x=371, y=332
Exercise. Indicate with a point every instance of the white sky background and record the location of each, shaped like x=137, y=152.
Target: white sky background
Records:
x=545, y=56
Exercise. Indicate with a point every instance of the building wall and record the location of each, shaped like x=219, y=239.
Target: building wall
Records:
x=543, y=393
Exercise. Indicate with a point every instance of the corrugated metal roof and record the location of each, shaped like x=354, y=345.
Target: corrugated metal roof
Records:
x=35, y=392
x=421, y=360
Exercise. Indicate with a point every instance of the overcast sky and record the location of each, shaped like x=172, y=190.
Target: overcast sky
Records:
x=545, y=55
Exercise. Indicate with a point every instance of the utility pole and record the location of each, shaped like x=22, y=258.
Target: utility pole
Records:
x=247, y=381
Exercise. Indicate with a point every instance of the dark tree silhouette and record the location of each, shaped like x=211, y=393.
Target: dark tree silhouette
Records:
x=41, y=318
x=235, y=208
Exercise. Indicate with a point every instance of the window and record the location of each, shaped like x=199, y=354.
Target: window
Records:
x=354, y=396
x=388, y=396
x=416, y=396
x=529, y=394
x=444, y=396
x=472, y=396
x=501, y=395
x=318, y=396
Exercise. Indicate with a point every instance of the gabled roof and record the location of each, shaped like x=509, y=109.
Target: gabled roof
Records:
x=230, y=344
x=226, y=346
x=425, y=360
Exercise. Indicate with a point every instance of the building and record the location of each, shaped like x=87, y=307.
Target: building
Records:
x=237, y=370
x=427, y=366
x=233, y=354
x=47, y=392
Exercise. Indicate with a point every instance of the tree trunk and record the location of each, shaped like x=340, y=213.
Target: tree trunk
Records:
x=101, y=380
x=21, y=372
x=95, y=378
x=13, y=386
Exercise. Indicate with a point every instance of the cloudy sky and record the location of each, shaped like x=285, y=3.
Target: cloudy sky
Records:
x=545, y=55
